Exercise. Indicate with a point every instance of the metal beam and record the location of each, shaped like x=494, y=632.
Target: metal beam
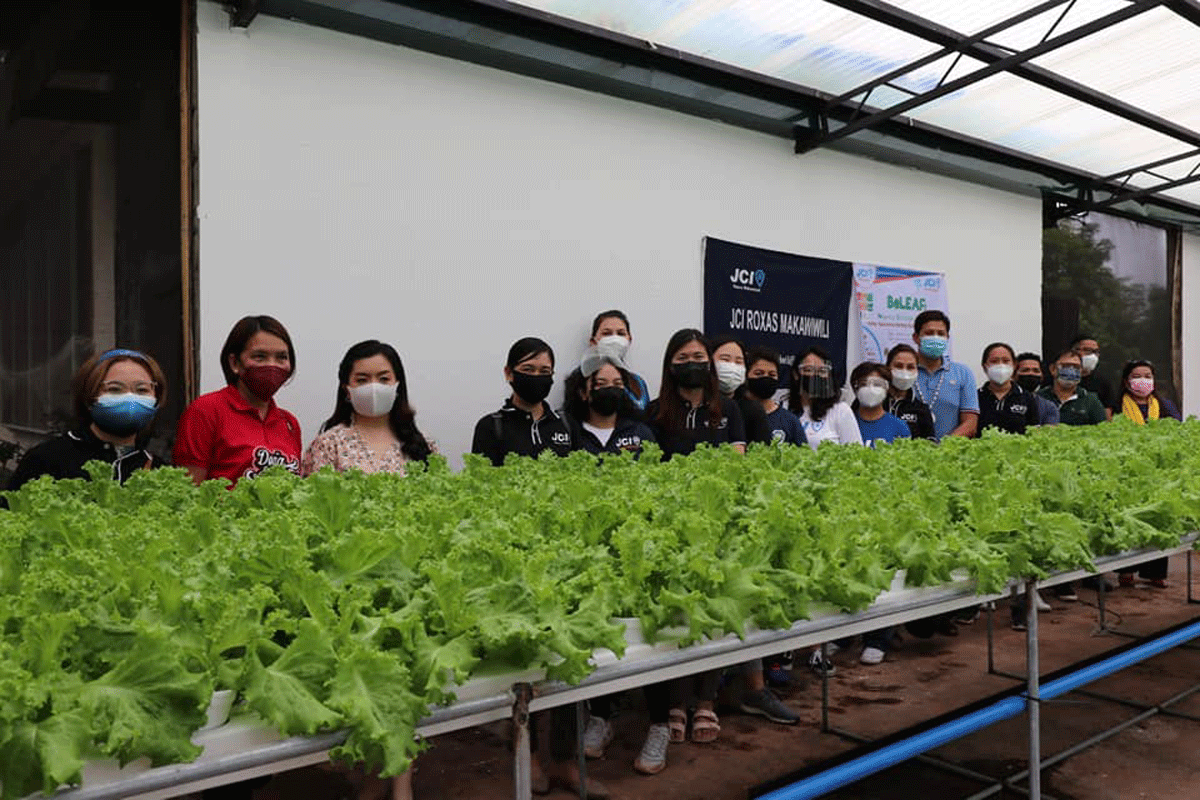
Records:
x=949, y=49
x=242, y=13
x=930, y=31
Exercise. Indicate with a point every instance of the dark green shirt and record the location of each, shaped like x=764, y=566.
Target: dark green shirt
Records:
x=1082, y=408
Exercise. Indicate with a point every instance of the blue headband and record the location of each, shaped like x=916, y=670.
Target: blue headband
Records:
x=119, y=353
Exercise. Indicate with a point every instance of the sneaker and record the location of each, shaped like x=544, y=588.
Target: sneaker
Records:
x=821, y=665
x=653, y=757
x=1041, y=604
x=1158, y=583
x=596, y=736
x=777, y=674
x=1066, y=592
x=871, y=656
x=1127, y=579
x=766, y=704
x=1019, y=625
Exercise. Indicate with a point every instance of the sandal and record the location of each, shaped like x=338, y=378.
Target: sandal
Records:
x=705, y=727
x=677, y=725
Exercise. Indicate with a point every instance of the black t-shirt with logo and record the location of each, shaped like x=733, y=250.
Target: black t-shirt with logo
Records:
x=511, y=430
x=1013, y=413
x=730, y=428
x=915, y=414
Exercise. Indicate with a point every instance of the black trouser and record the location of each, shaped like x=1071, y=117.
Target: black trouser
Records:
x=561, y=734
x=680, y=693
x=602, y=707
x=1153, y=570
x=242, y=790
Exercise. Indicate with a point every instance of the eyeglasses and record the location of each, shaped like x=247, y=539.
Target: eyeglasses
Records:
x=116, y=387
x=879, y=383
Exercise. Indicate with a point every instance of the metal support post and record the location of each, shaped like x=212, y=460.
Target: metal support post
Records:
x=1033, y=670
x=991, y=626
x=522, y=775
x=824, y=689
x=580, y=713
x=1100, y=594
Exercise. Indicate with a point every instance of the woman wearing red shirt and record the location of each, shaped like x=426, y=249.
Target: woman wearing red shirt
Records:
x=237, y=432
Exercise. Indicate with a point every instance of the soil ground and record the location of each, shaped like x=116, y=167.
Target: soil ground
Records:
x=921, y=678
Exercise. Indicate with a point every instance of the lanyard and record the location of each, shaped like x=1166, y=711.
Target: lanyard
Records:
x=936, y=393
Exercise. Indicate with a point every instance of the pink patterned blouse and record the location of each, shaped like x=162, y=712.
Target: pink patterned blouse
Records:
x=343, y=448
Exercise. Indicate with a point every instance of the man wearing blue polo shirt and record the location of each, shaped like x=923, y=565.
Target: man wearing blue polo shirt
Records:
x=947, y=387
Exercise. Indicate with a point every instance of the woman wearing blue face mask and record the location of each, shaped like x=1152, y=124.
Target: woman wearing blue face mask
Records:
x=115, y=396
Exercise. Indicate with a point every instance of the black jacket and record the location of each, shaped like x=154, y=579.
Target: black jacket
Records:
x=511, y=430
x=730, y=429
x=64, y=457
x=1016, y=412
x=754, y=418
x=915, y=414
x=628, y=434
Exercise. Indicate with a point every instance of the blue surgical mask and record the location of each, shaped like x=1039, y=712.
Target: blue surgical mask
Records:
x=123, y=414
x=1069, y=376
x=934, y=346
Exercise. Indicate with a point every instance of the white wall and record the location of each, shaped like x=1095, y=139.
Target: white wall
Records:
x=1191, y=325
x=357, y=189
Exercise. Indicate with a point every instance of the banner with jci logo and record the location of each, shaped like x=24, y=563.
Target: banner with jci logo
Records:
x=889, y=299
x=778, y=300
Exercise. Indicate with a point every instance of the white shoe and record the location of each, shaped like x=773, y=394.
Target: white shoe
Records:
x=653, y=757
x=1041, y=604
x=596, y=736
x=871, y=656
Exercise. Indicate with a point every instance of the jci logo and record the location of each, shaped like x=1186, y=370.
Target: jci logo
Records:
x=751, y=281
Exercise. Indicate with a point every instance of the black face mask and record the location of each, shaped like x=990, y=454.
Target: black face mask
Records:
x=532, y=388
x=691, y=374
x=606, y=400
x=763, y=387
x=1029, y=383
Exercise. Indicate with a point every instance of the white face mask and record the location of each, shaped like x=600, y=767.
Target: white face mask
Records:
x=871, y=396
x=613, y=345
x=999, y=373
x=1090, y=361
x=904, y=379
x=730, y=376
x=373, y=399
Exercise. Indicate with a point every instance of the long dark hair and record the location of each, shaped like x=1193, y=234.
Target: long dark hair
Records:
x=671, y=412
x=818, y=406
x=716, y=343
x=577, y=407
x=401, y=419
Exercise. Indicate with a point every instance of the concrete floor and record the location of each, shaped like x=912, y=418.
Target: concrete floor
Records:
x=920, y=679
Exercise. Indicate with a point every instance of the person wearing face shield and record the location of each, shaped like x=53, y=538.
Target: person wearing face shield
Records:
x=947, y=387
x=599, y=409
x=1003, y=403
x=1088, y=350
x=814, y=398
x=116, y=396
x=373, y=428
x=902, y=401
x=611, y=336
x=525, y=425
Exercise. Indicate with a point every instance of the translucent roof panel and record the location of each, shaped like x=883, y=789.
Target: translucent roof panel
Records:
x=1150, y=61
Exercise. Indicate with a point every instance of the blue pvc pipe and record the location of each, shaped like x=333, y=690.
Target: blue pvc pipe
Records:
x=905, y=749
x=894, y=754
x=1074, y=680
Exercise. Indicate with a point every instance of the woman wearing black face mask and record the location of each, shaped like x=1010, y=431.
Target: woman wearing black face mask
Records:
x=525, y=425
x=689, y=408
x=599, y=411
